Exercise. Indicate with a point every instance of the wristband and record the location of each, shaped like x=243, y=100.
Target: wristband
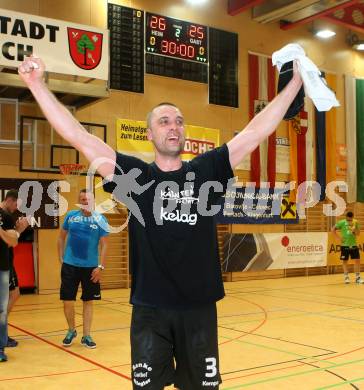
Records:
x=101, y=267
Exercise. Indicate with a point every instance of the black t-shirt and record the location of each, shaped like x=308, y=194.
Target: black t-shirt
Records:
x=6, y=222
x=174, y=258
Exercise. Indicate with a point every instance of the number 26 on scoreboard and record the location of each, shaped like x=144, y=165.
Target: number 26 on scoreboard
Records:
x=158, y=23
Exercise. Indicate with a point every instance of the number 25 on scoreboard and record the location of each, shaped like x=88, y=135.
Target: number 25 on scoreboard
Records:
x=196, y=32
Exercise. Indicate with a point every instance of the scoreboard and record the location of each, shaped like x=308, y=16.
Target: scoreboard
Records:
x=156, y=44
x=175, y=38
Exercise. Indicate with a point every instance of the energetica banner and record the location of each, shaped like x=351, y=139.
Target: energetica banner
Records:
x=131, y=139
x=65, y=47
x=258, y=252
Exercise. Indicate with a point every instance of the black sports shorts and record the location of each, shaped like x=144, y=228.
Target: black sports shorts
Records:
x=174, y=346
x=71, y=277
x=347, y=251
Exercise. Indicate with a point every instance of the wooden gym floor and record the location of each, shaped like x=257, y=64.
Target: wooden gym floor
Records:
x=295, y=333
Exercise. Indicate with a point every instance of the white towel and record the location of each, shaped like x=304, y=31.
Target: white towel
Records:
x=315, y=85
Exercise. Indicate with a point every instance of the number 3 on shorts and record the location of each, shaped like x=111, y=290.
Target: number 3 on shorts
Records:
x=211, y=369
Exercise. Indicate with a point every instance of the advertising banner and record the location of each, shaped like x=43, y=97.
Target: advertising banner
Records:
x=131, y=139
x=258, y=252
x=65, y=47
x=251, y=205
x=334, y=249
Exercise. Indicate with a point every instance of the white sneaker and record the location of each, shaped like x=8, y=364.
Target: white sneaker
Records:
x=346, y=280
x=359, y=280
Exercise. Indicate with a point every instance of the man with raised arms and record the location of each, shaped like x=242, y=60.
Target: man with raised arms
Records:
x=176, y=275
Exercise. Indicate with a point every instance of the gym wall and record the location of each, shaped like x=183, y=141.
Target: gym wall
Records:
x=331, y=56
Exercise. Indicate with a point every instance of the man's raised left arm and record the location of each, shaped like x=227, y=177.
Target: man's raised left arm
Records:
x=264, y=123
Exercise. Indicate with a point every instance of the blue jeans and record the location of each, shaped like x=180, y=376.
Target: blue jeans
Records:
x=4, y=300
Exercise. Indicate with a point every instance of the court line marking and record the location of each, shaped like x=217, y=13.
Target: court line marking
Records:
x=59, y=373
x=60, y=307
x=232, y=297
x=270, y=365
x=298, y=355
x=244, y=289
x=303, y=363
x=46, y=375
x=308, y=300
x=257, y=289
x=70, y=352
x=343, y=380
x=291, y=375
x=300, y=358
x=300, y=313
x=280, y=340
x=60, y=332
x=351, y=381
x=264, y=312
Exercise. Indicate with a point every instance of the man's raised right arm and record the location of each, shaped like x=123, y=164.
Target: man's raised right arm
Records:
x=67, y=126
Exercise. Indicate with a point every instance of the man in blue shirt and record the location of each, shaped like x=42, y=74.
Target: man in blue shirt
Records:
x=82, y=234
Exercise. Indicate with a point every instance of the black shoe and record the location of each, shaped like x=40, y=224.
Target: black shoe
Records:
x=11, y=343
x=71, y=334
x=3, y=357
x=88, y=342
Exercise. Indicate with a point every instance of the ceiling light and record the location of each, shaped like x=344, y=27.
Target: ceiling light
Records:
x=354, y=41
x=196, y=2
x=359, y=46
x=325, y=34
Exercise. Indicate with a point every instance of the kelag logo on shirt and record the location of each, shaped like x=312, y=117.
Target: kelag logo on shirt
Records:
x=179, y=197
x=177, y=216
